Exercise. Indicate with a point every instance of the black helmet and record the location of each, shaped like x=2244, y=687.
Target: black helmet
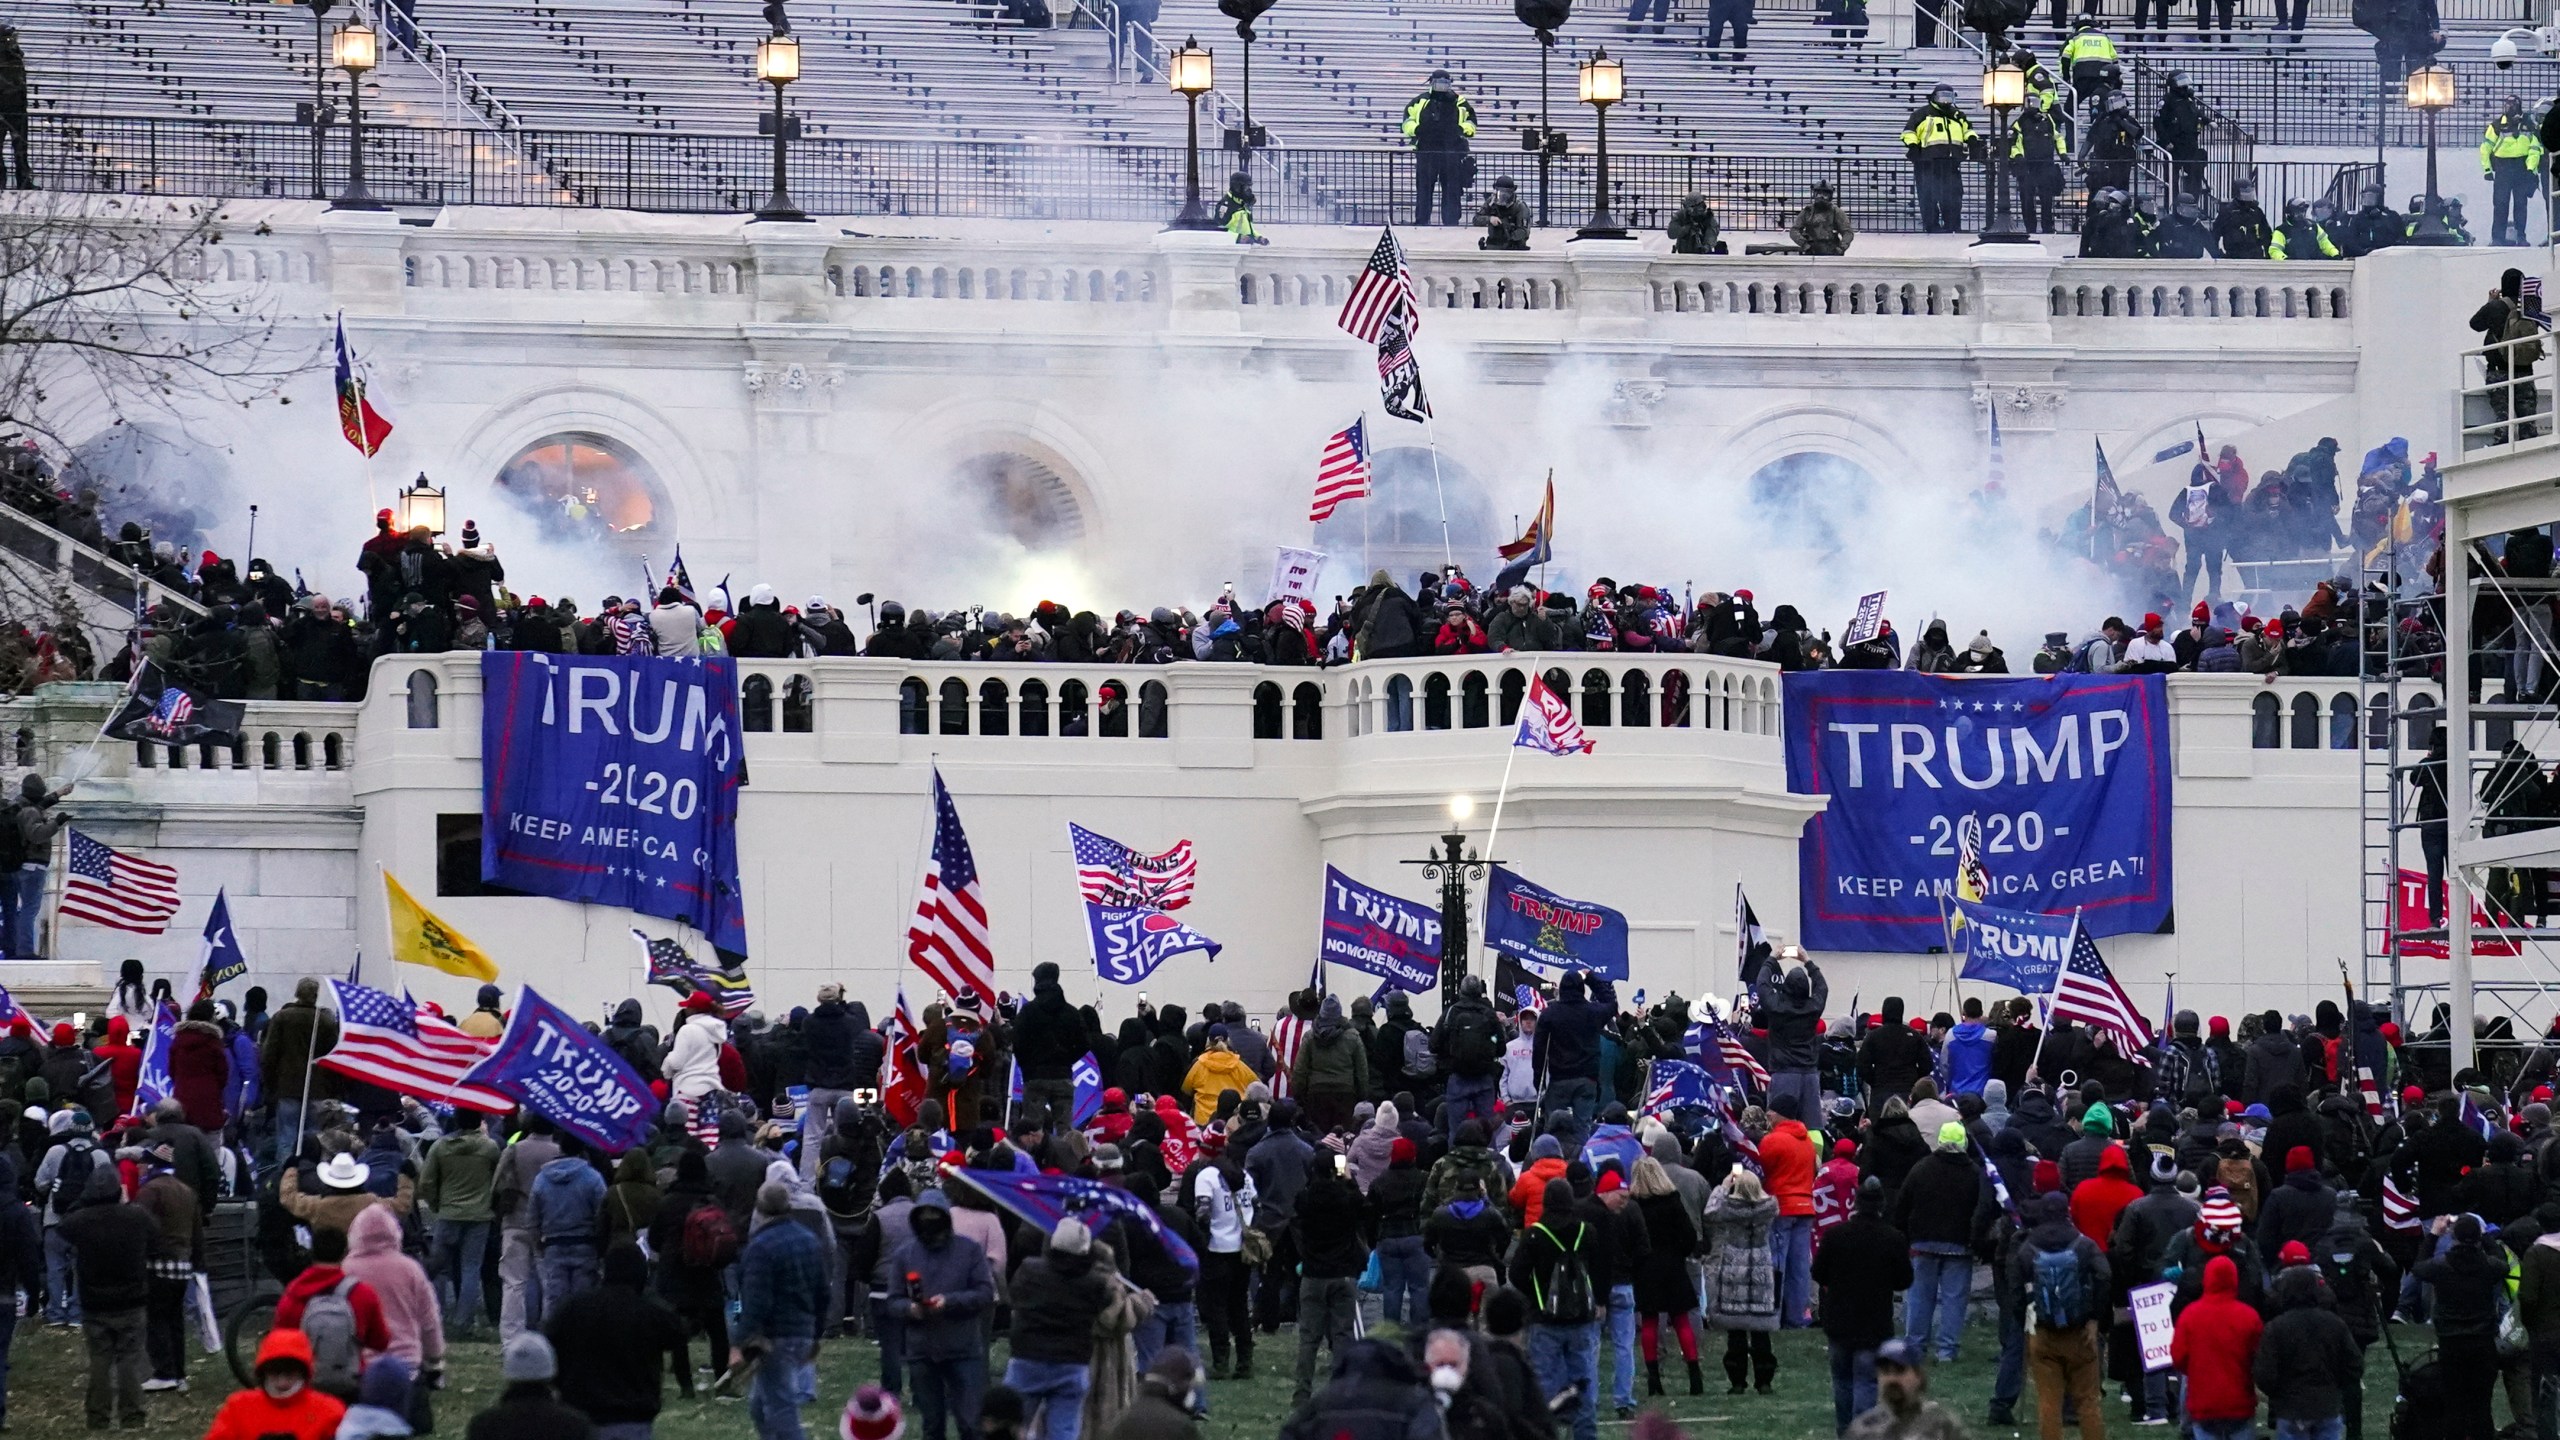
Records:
x=1821, y=189
x=1942, y=94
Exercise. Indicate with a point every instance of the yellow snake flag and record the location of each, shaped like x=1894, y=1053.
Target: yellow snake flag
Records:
x=419, y=938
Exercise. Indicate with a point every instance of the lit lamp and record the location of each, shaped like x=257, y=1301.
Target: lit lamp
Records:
x=2430, y=90
x=777, y=65
x=1191, y=72
x=355, y=49
x=2004, y=89
x=421, y=504
x=1604, y=83
x=1461, y=808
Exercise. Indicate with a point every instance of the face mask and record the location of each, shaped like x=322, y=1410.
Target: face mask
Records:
x=1446, y=1379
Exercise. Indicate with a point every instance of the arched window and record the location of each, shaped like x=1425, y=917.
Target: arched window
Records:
x=1474, y=702
x=143, y=759
x=240, y=752
x=1595, y=697
x=26, y=747
x=301, y=751
x=915, y=705
x=755, y=703
x=1153, y=702
x=1035, y=708
x=2422, y=718
x=995, y=708
x=1514, y=686
x=1113, y=702
x=1306, y=711
x=422, y=700
x=2306, y=722
x=1635, y=699
x=955, y=706
x=271, y=751
x=2377, y=724
x=1435, y=702
x=2266, y=722
x=1266, y=711
x=2342, y=721
x=1072, y=719
x=1675, y=699
x=1399, y=702
x=799, y=705
x=333, y=751
x=586, y=489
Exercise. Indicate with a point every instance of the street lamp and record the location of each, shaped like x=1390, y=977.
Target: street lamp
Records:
x=2430, y=89
x=1250, y=137
x=1453, y=865
x=316, y=112
x=421, y=504
x=356, y=50
x=1545, y=18
x=2004, y=89
x=1191, y=72
x=777, y=65
x=1604, y=83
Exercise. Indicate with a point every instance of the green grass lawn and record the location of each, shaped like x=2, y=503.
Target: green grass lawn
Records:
x=48, y=1370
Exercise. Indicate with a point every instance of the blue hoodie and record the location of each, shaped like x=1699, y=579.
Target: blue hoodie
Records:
x=1968, y=1058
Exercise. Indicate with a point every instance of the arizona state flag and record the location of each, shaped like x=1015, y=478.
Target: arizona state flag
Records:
x=364, y=426
x=419, y=938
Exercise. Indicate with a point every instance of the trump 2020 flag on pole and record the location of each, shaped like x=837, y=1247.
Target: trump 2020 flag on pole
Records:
x=153, y=1085
x=1547, y=723
x=1130, y=941
x=365, y=426
x=223, y=960
x=549, y=1064
x=1087, y=1078
x=1041, y=1201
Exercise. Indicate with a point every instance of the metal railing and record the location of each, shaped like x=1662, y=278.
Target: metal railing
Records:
x=2287, y=101
x=2499, y=403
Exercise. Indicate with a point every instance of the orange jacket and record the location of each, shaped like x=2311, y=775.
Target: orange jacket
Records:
x=1529, y=1192
x=1786, y=1155
x=250, y=1415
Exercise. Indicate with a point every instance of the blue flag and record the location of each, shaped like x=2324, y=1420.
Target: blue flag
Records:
x=154, y=1084
x=1041, y=1201
x=2015, y=948
x=1013, y=1095
x=1130, y=941
x=1087, y=1076
x=1678, y=1085
x=549, y=1064
x=223, y=960
x=1613, y=1144
x=1540, y=927
x=1385, y=935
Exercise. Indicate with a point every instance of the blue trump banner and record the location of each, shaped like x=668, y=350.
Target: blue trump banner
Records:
x=613, y=780
x=1130, y=941
x=1041, y=1201
x=2064, y=778
x=2016, y=948
x=549, y=1064
x=1370, y=930
x=153, y=1085
x=1541, y=927
x=1087, y=1078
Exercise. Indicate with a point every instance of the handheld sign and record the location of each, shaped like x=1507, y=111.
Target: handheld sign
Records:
x=1867, y=623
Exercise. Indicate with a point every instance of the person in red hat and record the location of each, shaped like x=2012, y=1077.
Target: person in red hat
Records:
x=2301, y=1208
x=2148, y=653
x=2190, y=642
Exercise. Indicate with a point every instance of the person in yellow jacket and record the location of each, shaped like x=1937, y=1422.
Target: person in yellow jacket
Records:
x=1440, y=122
x=2511, y=161
x=2039, y=144
x=2089, y=57
x=1938, y=138
x=1218, y=1070
x=2300, y=237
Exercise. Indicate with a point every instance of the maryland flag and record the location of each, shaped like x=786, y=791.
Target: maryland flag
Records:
x=419, y=938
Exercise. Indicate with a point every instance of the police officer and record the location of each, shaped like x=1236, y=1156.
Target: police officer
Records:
x=1504, y=218
x=2300, y=237
x=2241, y=231
x=1439, y=122
x=2039, y=143
x=2374, y=226
x=2182, y=235
x=1693, y=229
x=1822, y=227
x=1937, y=138
x=2107, y=231
x=2179, y=127
x=1235, y=210
x=2088, y=57
x=2115, y=142
x=2510, y=160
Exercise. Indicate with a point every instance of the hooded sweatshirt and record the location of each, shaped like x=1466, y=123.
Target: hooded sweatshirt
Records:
x=2216, y=1345
x=308, y=1415
x=1968, y=1056
x=400, y=1286
x=2099, y=1200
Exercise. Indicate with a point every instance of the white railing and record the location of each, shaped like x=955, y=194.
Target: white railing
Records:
x=2500, y=404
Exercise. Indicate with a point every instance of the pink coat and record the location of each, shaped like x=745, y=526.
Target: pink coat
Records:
x=408, y=1297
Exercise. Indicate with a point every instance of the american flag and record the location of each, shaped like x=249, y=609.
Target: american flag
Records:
x=175, y=708
x=1343, y=472
x=948, y=939
x=1399, y=373
x=671, y=966
x=2087, y=991
x=1547, y=723
x=1736, y=1057
x=1384, y=286
x=108, y=887
x=2399, y=1207
x=1110, y=873
x=389, y=1041
x=2371, y=1091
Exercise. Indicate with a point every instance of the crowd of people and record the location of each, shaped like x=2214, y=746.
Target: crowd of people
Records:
x=1539, y=1220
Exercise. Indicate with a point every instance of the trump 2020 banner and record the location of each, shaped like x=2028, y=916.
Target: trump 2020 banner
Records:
x=1370, y=930
x=613, y=780
x=2016, y=948
x=550, y=1065
x=2061, y=783
x=1541, y=927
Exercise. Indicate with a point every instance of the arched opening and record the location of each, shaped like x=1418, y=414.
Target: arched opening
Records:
x=301, y=751
x=422, y=700
x=1035, y=708
x=270, y=751
x=915, y=703
x=799, y=705
x=333, y=751
x=2342, y=721
x=1398, y=527
x=995, y=711
x=581, y=488
x=1435, y=702
x=1474, y=702
x=955, y=706
x=1113, y=701
x=1675, y=699
x=755, y=703
x=1153, y=703
x=1810, y=501
x=1071, y=711
x=2306, y=722
x=25, y=747
x=1001, y=503
x=1514, y=686
x=2266, y=723
x=1306, y=711
x=2377, y=723
x=1595, y=697
x=1266, y=711
x=1399, y=702
x=1635, y=699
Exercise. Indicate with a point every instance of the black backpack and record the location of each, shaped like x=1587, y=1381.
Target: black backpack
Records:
x=71, y=1180
x=1566, y=1298
x=1475, y=1040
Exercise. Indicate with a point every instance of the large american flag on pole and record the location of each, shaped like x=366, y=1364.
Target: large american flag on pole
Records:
x=107, y=887
x=1383, y=286
x=1343, y=471
x=2086, y=991
x=948, y=938
x=391, y=1041
x=1110, y=873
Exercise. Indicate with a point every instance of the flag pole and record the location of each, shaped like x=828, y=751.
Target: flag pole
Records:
x=2069, y=944
x=1494, y=831
x=1431, y=431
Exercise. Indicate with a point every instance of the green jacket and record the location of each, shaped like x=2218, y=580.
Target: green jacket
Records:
x=1454, y=1168
x=460, y=1178
x=1332, y=1062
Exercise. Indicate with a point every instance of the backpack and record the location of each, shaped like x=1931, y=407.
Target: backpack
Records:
x=1475, y=1041
x=836, y=1189
x=2237, y=1175
x=710, y=1240
x=2520, y=328
x=1419, y=1062
x=2200, y=1079
x=329, y=1323
x=1570, y=1302
x=71, y=1181
x=2060, y=1302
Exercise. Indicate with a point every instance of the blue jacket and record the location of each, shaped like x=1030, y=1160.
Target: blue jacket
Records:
x=242, y=1092
x=567, y=1195
x=1968, y=1058
x=782, y=1283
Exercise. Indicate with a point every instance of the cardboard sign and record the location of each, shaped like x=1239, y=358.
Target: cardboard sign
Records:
x=2151, y=1322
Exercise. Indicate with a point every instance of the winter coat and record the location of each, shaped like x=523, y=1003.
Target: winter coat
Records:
x=1791, y=1011
x=2300, y=1209
x=199, y=1073
x=1786, y=1154
x=1893, y=1057
x=285, y=1050
x=400, y=1286
x=1662, y=1282
x=2189, y=1257
x=1893, y=1147
x=2274, y=1059
x=2307, y=1361
x=2033, y=1118
x=526, y=1411
x=1529, y=1193
x=2215, y=1346
x=1937, y=1200
x=459, y=1181
x=782, y=1283
x=1332, y=1062
x=1742, y=1286
x=1863, y=1262
x=1057, y=1297
x=1968, y=1052
x=692, y=1065
x=2051, y=1237
x=957, y=1272
x=1327, y=1227
x=2468, y=1282
x=309, y=1415
x=335, y=1209
x=1568, y=1043
x=612, y=1344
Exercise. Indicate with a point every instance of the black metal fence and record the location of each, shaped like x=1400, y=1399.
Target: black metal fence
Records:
x=2285, y=101
x=728, y=174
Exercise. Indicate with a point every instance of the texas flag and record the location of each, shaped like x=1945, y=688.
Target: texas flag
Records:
x=1547, y=723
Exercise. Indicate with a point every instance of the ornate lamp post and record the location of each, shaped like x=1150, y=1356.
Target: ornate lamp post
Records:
x=1453, y=865
x=2004, y=89
x=420, y=504
x=777, y=65
x=1604, y=83
x=2430, y=90
x=1191, y=72
x=356, y=50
